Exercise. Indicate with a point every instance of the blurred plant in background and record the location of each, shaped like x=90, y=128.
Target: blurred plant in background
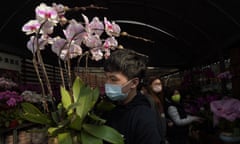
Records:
x=226, y=115
x=10, y=101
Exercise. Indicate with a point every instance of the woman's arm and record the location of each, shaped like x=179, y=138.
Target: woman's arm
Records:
x=174, y=115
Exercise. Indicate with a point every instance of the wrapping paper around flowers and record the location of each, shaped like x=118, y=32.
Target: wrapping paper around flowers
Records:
x=228, y=108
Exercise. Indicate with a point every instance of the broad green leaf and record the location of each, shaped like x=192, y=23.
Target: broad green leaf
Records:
x=90, y=139
x=76, y=88
x=66, y=99
x=53, y=131
x=95, y=93
x=64, y=138
x=36, y=118
x=73, y=106
x=76, y=123
x=33, y=114
x=104, y=132
x=104, y=106
x=30, y=108
x=85, y=100
x=97, y=119
x=55, y=116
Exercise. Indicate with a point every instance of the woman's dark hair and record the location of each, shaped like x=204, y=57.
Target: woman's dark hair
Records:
x=128, y=62
x=149, y=80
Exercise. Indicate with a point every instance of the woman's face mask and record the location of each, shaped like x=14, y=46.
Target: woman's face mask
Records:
x=157, y=88
x=114, y=92
x=176, y=98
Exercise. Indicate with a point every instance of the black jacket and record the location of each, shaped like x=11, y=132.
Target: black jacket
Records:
x=136, y=121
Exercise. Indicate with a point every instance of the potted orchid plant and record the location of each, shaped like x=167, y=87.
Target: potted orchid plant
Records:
x=226, y=115
x=73, y=119
x=10, y=100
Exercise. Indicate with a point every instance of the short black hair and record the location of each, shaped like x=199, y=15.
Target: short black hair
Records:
x=128, y=62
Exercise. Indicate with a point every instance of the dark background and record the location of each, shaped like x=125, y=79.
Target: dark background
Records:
x=186, y=33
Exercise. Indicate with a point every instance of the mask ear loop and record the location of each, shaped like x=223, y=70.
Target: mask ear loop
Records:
x=135, y=81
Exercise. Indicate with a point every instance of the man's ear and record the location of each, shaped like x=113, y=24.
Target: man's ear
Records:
x=135, y=82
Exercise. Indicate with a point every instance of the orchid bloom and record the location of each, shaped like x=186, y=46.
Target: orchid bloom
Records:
x=112, y=29
x=224, y=75
x=96, y=54
x=228, y=108
x=110, y=43
x=61, y=47
x=96, y=26
x=92, y=41
x=31, y=26
x=44, y=12
x=76, y=34
x=74, y=31
x=58, y=45
x=33, y=44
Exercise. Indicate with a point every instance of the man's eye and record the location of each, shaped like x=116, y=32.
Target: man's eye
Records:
x=114, y=79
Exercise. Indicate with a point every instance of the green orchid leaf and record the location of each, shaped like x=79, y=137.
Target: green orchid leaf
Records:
x=55, y=116
x=76, y=123
x=33, y=114
x=95, y=93
x=30, y=108
x=104, y=132
x=85, y=100
x=104, y=106
x=64, y=138
x=78, y=83
x=53, y=131
x=66, y=99
x=90, y=139
x=36, y=118
x=73, y=106
x=97, y=119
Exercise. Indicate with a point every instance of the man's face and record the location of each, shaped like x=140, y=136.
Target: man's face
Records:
x=115, y=78
x=128, y=86
x=118, y=78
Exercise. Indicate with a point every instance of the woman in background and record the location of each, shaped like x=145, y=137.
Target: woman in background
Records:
x=179, y=120
x=153, y=89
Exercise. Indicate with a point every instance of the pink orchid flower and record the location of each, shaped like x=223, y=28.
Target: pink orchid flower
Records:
x=44, y=12
x=228, y=109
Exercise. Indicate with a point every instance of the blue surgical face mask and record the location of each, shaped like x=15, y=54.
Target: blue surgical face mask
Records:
x=114, y=92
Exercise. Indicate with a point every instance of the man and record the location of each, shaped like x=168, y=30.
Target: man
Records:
x=133, y=116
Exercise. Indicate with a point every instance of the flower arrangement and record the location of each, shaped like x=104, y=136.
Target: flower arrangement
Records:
x=9, y=103
x=10, y=99
x=73, y=119
x=200, y=106
x=227, y=115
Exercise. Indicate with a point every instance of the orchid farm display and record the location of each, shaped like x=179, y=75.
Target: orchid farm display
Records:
x=73, y=119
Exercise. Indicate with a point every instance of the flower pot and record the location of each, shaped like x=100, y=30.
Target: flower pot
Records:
x=228, y=137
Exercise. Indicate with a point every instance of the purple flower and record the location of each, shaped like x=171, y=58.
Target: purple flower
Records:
x=11, y=102
x=11, y=98
x=225, y=75
x=228, y=109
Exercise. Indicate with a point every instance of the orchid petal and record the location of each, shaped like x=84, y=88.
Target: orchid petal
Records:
x=31, y=26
